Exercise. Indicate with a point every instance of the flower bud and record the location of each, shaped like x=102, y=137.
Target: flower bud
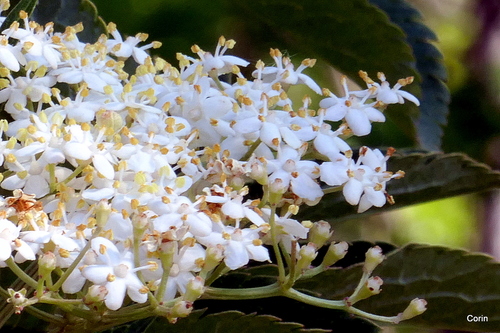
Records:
x=307, y=254
x=179, y=310
x=214, y=256
x=102, y=211
x=259, y=173
x=194, y=289
x=373, y=258
x=95, y=294
x=335, y=252
x=416, y=307
x=18, y=299
x=46, y=263
x=370, y=287
x=320, y=233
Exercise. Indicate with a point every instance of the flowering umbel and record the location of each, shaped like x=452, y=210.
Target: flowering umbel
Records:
x=133, y=187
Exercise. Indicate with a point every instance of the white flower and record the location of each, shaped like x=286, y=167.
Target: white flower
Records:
x=10, y=241
x=300, y=175
x=116, y=274
x=388, y=95
x=127, y=48
x=353, y=109
x=240, y=245
x=217, y=62
x=284, y=72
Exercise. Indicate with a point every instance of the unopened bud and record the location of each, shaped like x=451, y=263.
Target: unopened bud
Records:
x=335, y=252
x=214, y=256
x=369, y=288
x=194, y=289
x=102, y=211
x=179, y=310
x=416, y=307
x=320, y=233
x=259, y=173
x=373, y=258
x=307, y=254
x=46, y=263
x=95, y=294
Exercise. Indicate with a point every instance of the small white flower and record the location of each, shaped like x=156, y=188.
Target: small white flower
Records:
x=116, y=274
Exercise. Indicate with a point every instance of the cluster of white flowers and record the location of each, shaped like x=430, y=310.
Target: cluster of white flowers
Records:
x=136, y=184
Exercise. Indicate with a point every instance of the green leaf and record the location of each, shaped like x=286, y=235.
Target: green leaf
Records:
x=429, y=63
x=428, y=176
x=455, y=284
x=27, y=5
x=70, y=12
x=227, y=322
x=350, y=35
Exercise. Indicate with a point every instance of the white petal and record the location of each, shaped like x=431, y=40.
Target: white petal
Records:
x=290, y=138
x=5, y=249
x=8, y=59
x=305, y=187
x=116, y=294
x=199, y=224
x=358, y=122
x=104, y=167
x=77, y=150
x=36, y=185
x=334, y=174
x=236, y=255
x=97, y=273
x=74, y=283
x=377, y=198
x=259, y=253
x=270, y=134
x=233, y=209
x=97, y=194
x=352, y=191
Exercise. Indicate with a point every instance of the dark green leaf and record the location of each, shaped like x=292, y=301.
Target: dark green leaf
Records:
x=428, y=177
x=455, y=284
x=435, y=95
x=26, y=5
x=350, y=35
x=227, y=322
x=70, y=12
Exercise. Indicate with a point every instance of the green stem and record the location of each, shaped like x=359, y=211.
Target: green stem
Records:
x=213, y=75
x=372, y=316
x=45, y=316
x=243, y=293
x=20, y=273
x=75, y=173
x=167, y=260
x=277, y=252
x=217, y=273
x=362, y=281
x=250, y=151
x=76, y=262
x=324, y=303
x=52, y=177
x=334, y=189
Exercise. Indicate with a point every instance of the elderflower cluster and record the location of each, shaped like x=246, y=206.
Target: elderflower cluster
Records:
x=136, y=183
